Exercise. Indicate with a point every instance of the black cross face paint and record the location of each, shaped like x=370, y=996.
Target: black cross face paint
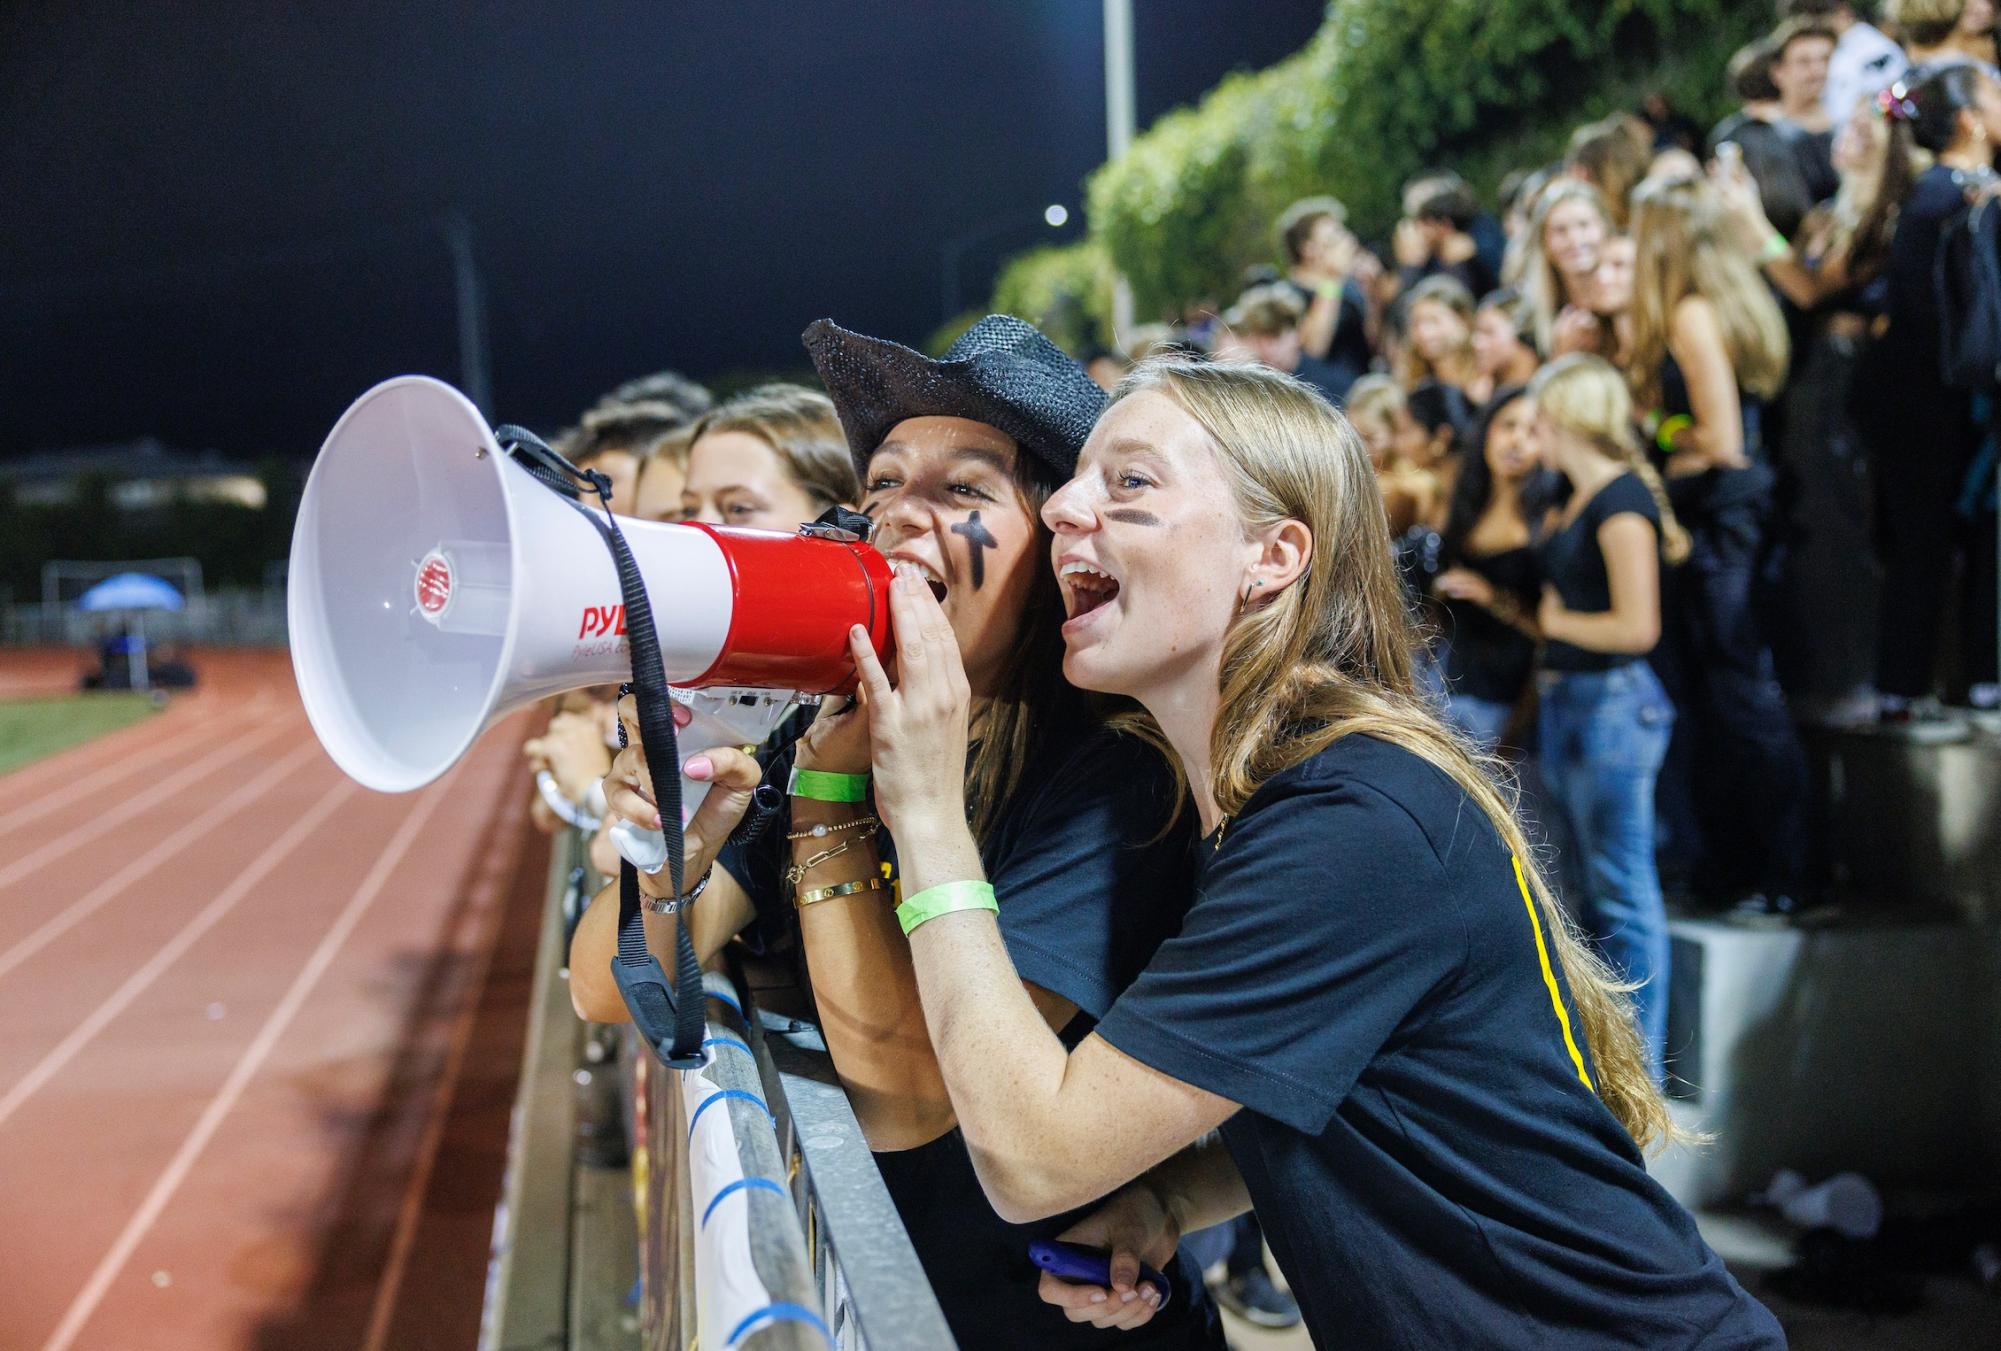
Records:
x=979, y=539
x=1132, y=516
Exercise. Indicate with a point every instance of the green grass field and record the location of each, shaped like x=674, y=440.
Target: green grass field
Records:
x=32, y=728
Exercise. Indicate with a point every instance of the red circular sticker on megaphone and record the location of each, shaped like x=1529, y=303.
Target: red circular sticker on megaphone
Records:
x=434, y=585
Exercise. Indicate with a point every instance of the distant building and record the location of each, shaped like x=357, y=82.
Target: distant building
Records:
x=143, y=474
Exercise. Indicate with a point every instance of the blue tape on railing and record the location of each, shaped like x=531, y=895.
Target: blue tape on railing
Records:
x=741, y=1184
x=727, y=1041
x=722, y=998
x=781, y=1312
x=714, y=1098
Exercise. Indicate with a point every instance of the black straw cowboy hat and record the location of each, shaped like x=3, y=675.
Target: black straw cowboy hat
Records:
x=1002, y=372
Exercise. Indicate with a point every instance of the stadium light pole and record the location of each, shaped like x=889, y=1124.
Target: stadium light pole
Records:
x=471, y=311
x=1119, y=133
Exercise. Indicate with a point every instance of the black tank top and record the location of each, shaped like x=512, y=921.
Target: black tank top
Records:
x=1489, y=658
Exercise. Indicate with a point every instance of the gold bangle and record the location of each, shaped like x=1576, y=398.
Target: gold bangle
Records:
x=819, y=894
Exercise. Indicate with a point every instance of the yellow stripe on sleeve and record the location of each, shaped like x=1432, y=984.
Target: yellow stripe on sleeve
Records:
x=1549, y=976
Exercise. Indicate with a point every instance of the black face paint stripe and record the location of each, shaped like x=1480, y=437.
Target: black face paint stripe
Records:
x=1132, y=516
x=978, y=540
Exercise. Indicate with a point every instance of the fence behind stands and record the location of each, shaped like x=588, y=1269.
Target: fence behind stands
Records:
x=229, y=618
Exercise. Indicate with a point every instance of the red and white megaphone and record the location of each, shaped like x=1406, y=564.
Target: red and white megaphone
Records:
x=437, y=586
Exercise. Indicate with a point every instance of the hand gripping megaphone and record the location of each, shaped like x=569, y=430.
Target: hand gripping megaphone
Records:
x=437, y=586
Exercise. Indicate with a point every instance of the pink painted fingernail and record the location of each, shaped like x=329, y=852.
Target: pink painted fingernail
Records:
x=699, y=767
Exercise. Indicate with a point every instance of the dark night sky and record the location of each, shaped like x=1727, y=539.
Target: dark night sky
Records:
x=218, y=220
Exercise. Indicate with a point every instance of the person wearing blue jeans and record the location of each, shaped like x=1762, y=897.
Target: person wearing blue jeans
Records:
x=1605, y=719
x=1602, y=738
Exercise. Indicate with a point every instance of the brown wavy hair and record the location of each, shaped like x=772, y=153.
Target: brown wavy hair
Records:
x=1331, y=656
x=800, y=427
x=1682, y=247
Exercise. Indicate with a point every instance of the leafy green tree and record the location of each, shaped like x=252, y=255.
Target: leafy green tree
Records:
x=1383, y=89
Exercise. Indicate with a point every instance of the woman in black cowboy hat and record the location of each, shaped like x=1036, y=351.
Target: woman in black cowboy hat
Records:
x=957, y=457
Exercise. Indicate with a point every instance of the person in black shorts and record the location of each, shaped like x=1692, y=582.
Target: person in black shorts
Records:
x=1076, y=823
x=1432, y=1091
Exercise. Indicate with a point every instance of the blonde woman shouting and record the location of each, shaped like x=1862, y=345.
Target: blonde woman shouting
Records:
x=1429, y=1087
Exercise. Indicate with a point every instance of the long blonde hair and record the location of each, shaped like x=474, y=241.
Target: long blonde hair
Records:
x=1681, y=248
x=1330, y=656
x=1586, y=397
x=1542, y=285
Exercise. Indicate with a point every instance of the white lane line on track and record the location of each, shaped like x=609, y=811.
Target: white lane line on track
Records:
x=119, y=769
x=76, y=911
x=172, y=950
x=159, y=792
x=226, y=1097
x=487, y=907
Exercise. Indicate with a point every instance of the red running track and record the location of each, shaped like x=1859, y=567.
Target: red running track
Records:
x=259, y=1032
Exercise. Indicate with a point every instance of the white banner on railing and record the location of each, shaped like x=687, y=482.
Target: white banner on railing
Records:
x=729, y=1292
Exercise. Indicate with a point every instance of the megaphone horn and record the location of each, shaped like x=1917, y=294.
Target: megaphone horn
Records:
x=436, y=586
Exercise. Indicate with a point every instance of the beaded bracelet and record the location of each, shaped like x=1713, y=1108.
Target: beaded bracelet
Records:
x=944, y=899
x=822, y=831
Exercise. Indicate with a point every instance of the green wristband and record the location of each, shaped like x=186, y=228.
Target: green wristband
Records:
x=821, y=786
x=944, y=899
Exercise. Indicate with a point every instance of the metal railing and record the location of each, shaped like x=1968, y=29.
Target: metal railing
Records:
x=826, y=1242
x=758, y=1216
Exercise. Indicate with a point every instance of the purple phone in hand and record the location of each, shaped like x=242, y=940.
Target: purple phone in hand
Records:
x=1088, y=1266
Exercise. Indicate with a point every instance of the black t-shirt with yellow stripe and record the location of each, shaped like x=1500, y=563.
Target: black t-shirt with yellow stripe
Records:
x=1362, y=971
x=1090, y=877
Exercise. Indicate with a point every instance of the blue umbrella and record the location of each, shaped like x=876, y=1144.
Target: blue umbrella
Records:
x=131, y=591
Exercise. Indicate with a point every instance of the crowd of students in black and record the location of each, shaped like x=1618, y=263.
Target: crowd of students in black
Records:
x=1821, y=490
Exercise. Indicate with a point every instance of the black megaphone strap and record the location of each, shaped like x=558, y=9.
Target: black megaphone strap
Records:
x=672, y=1018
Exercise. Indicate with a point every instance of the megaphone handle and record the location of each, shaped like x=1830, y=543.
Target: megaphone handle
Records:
x=646, y=849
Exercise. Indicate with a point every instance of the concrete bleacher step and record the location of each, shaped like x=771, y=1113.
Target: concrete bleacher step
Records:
x=1908, y=823
x=1864, y=1041
x=1865, y=1035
